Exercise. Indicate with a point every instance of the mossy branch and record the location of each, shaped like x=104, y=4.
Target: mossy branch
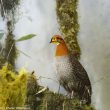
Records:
x=68, y=20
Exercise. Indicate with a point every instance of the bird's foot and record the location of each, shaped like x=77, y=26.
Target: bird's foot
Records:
x=70, y=95
x=82, y=102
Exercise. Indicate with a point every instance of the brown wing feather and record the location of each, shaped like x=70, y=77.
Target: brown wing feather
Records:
x=84, y=88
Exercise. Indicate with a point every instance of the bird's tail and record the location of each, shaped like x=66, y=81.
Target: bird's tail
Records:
x=84, y=93
x=87, y=95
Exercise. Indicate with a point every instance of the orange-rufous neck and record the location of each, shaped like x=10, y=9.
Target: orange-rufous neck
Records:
x=61, y=49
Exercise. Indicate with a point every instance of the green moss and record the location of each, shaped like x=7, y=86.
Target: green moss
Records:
x=2, y=61
x=54, y=101
x=12, y=88
x=22, y=90
x=68, y=20
x=10, y=49
x=10, y=46
x=32, y=89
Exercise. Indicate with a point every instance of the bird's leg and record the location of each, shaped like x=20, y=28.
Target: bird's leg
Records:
x=82, y=102
x=72, y=94
x=68, y=94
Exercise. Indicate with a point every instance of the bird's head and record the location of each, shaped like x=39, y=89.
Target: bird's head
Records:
x=61, y=49
x=57, y=39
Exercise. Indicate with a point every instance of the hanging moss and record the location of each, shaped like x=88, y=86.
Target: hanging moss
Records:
x=8, y=7
x=12, y=88
x=9, y=53
x=68, y=20
x=10, y=47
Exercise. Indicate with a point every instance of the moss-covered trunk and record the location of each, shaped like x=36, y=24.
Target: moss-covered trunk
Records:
x=10, y=47
x=68, y=20
x=8, y=9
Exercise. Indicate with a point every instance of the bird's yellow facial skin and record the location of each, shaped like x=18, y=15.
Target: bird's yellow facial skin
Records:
x=56, y=40
x=61, y=48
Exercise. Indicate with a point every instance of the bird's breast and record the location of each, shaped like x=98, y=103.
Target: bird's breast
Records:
x=63, y=66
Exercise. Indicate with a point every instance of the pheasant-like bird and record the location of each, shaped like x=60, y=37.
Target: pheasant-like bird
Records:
x=72, y=76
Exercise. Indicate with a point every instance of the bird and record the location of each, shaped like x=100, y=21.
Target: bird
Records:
x=71, y=74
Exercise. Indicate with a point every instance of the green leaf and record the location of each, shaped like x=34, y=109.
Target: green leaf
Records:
x=1, y=35
x=26, y=37
x=24, y=53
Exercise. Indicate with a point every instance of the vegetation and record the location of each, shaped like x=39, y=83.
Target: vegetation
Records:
x=12, y=88
x=10, y=46
x=32, y=89
x=22, y=89
x=8, y=10
x=68, y=20
x=55, y=101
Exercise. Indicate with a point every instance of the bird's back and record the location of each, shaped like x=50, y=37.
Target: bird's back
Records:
x=84, y=88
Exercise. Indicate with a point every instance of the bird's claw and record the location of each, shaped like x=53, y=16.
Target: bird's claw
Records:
x=70, y=95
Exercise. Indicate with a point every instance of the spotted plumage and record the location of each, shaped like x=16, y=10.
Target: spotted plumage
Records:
x=71, y=74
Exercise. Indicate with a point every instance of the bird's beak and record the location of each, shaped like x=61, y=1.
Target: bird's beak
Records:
x=54, y=42
x=51, y=41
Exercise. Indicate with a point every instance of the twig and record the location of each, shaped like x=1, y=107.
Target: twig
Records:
x=47, y=78
x=64, y=105
x=24, y=53
x=10, y=51
x=42, y=90
x=59, y=89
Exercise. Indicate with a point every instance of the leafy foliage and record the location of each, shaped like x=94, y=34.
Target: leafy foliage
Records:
x=11, y=51
x=26, y=37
